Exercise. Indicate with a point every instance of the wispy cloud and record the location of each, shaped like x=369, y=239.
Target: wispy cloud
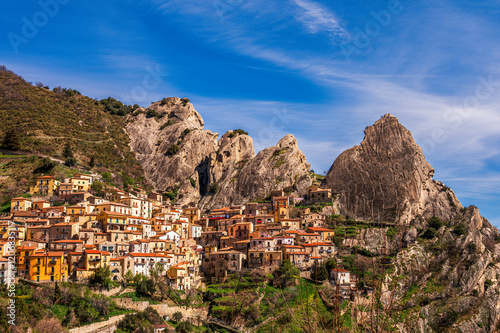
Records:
x=315, y=17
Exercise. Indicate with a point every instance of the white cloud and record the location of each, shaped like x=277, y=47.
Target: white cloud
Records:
x=316, y=17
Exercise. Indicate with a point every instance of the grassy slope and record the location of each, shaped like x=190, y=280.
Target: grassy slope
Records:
x=47, y=121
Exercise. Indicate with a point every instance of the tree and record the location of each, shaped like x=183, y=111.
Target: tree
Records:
x=68, y=151
x=101, y=278
x=177, y=316
x=92, y=162
x=97, y=187
x=70, y=162
x=12, y=140
x=286, y=275
x=319, y=272
x=143, y=286
x=106, y=177
x=184, y=327
x=129, y=276
x=57, y=293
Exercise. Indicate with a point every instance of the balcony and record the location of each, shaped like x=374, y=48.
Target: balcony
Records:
x=52, y=262
x=95, y=260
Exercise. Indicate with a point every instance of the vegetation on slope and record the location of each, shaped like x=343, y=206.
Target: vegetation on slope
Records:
x=38, y=120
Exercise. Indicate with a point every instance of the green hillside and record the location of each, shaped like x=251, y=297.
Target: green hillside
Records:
x=40, y=121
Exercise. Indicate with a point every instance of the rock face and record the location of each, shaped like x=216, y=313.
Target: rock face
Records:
x=387, y=177
x=179, y=156
x=169, y=141
x=282, y=167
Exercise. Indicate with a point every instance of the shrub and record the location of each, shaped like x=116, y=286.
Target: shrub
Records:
x=171, y=195
x=430, y=233
x=106, y=177
x=184, y=133
x=459, y=230
x=101, y=278
x=435, y=222
x=12, y=140
x=174, y=149
x=70, y=162
x=192, y=181
x=319, y=272
x=164, y=101
x=391, y=232
x=237, y=132
x=214, y=188
x=177, y=316
x=185, y=101
x=46, y=167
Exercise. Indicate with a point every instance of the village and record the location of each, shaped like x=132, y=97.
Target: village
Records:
x=65, y=232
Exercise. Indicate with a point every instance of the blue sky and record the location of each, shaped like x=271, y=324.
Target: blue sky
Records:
x=321, y=70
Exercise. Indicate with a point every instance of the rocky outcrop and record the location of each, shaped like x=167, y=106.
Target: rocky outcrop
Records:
x=179, y=156
x=388, y=178
x=171, y=144
x=281, y=167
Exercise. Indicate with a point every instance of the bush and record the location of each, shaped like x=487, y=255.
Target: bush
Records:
x=171, y=195
x=106, y=177
x=177, y=316
x=101, y=278
x=214, y=188
x=70, y=162
x=185, y=101
x=435, y=222
x=12, y=140
x=164, y=101
x=174, y=149
x=184, y=327
x=46, y=167
x=127, y=180
x=237, y=132
x=459, y=230
x=286, y=275
x=192, y=181
x=184, y=133
x=97, y=187
x=430, y=233
x=319, y=272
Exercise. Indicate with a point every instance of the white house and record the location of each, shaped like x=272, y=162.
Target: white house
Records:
x=145, y=262
x=341, y=276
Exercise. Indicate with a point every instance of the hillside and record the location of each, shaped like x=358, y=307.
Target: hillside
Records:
x=42, y=121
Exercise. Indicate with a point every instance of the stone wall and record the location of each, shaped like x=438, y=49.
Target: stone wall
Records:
x=192, y=314
x=129, y=304
x=100, y=327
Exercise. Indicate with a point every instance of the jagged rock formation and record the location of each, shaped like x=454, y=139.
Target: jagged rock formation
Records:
x=178, y=155
x=283, y=166
x=454, y=279
x=388, y=178
x=170, y=142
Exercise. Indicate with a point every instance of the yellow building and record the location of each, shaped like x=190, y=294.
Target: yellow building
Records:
x=113, y=221
x=80, y=184
x=20, y=205
x=281, y=205
x=47, y=266
x=23, y=254
x=326, y=234
x=45, y=185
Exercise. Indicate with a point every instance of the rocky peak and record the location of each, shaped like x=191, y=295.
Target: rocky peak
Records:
x=387, y=177
x=283, y=166
x=179, y=156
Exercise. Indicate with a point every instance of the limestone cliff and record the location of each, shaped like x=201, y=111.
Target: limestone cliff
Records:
x=283, y=166
x=388, y=178
x=170, y=142
x=179, y=156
